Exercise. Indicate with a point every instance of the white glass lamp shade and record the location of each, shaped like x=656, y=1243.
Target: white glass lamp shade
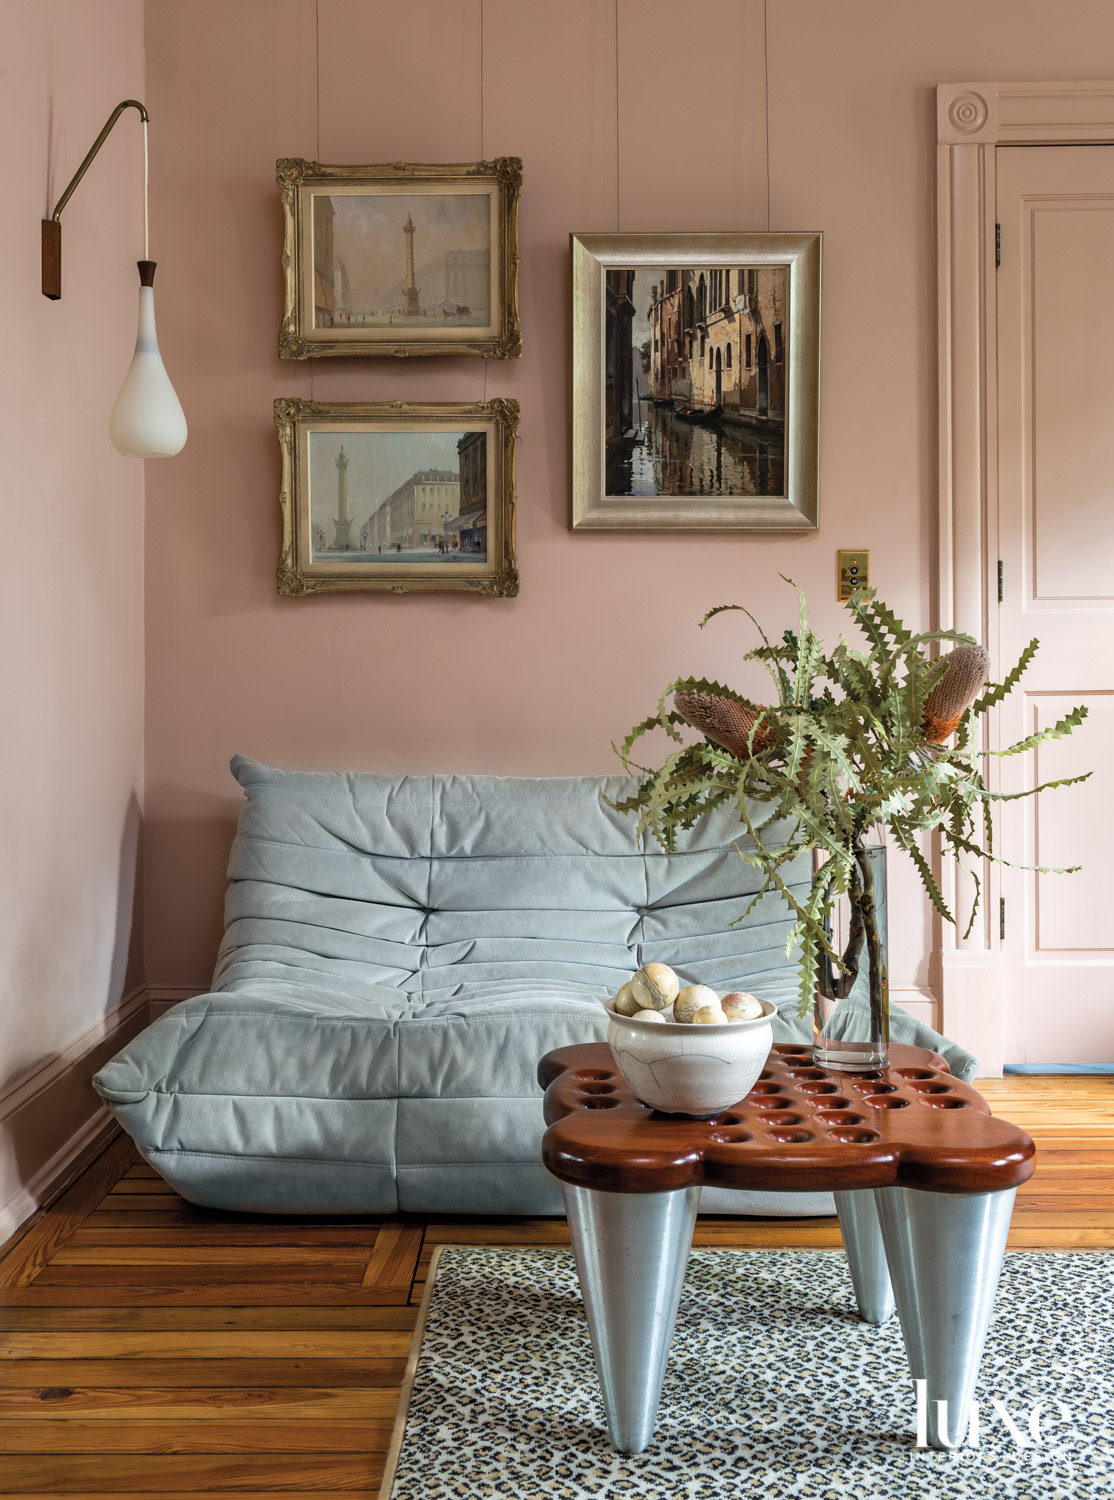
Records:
x=147, y=420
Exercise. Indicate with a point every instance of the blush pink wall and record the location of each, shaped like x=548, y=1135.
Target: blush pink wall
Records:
x=648, y=115
x=71, y=607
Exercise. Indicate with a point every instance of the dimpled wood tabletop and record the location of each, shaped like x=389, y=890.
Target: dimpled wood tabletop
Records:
x=802, y=1128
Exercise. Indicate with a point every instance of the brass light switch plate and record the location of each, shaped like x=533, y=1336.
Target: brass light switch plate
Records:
x=854, y=573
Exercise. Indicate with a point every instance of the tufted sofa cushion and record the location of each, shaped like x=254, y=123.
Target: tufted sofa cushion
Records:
x=399, y=953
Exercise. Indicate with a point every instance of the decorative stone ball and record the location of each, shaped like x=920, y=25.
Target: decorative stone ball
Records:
x=710, y=1015
x=649, y=1015
x=689, y=1001
x=655, y=985
x=739, y=1006
x=626, y=1003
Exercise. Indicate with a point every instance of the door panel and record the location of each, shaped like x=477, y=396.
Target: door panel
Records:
x=1073, y=912
x=1055, y=205
x=1073, y=437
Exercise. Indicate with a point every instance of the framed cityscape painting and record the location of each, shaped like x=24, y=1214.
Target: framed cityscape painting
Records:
x=696, y=381
x=397, y=497
x=400, y=259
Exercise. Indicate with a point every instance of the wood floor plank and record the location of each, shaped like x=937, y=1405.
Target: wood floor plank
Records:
x=138, y=1216
x=1057, y=1219
x=190, y=1235
x=208, y=1494
x=497, y=1232
x=200, y=1403
x=66, y=1474
x=254, y=1374
x=153, y=1187
x=143, y=1203
x=223, y=1256
x=27, y=1256
x=394, y=1256
x=209, y=1276
x=150, y=1293
x=204, y=1343
x=1060, y=1239
x=218, y=1436
x=1065, y=1202
x=148, y=1319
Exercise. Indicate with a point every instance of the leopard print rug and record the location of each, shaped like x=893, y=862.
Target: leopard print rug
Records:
x=774, y=1388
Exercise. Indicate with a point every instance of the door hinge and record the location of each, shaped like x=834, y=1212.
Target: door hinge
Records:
x=1000, y=580
x=1002, y=918
x=997, y=247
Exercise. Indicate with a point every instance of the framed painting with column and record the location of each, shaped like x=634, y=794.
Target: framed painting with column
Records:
x=397, y=497
x=696, y=381
x=400, y=259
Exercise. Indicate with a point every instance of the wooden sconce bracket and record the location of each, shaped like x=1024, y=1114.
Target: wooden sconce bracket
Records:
x=52, y=227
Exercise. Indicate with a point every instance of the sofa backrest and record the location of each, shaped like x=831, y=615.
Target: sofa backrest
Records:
x=426, y=882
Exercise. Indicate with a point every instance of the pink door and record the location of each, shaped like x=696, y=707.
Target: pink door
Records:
x=1055, y=355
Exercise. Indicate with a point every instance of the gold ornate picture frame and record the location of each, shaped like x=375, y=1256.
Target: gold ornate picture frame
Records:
x=400, y=259
x=695, y=382
x=398, y=497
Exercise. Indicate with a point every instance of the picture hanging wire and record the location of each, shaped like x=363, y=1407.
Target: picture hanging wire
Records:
x=482, y=134
x=618, y=225
x=317, y=113
x=766, y=101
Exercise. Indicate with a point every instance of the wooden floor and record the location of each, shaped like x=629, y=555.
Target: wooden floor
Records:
x=155, y=1349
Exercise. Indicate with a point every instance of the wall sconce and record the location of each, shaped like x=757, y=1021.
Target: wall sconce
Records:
x=147, y=420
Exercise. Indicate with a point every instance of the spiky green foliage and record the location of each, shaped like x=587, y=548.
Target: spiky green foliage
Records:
x=847, y=756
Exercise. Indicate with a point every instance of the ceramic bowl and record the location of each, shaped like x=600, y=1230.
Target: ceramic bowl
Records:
x=690, y=1070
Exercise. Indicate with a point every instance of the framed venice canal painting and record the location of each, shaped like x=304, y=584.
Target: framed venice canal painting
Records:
x=397, y=497
x=400, y=259
x=696, y=381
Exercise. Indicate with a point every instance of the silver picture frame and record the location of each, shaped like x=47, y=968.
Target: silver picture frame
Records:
x=605, y=271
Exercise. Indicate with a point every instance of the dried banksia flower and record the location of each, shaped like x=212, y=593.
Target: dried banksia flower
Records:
x=957, y=687
x=725, y=722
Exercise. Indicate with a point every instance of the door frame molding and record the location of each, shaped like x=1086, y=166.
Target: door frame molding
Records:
x=972, y=119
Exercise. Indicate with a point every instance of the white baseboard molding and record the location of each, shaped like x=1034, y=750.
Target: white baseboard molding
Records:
x=51, y=1119
x=918, y=1001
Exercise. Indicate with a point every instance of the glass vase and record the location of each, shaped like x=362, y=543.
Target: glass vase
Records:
x=852, y=1035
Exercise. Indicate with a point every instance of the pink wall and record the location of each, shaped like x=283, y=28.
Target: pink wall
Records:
x=71, y=608
x=543, y=683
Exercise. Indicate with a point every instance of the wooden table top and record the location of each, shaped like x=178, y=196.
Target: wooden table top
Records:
x=802, y=1128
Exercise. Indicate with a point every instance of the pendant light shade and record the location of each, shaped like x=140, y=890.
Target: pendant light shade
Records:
x=147, y=420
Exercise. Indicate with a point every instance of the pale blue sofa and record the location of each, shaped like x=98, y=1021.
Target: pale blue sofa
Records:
x=400, y=951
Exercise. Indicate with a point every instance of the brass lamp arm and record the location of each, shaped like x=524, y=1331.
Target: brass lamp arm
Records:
x=52, y=227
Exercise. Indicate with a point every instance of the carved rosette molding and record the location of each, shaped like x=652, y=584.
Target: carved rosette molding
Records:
x=968, y=113
x=972, y=119
x=298, y=576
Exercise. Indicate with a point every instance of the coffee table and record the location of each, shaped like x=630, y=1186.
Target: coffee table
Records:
x=924, y=1179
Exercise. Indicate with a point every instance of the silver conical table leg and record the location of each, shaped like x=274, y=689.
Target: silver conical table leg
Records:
x=631, y=1251
x=945, y=1255
x=866, y=1254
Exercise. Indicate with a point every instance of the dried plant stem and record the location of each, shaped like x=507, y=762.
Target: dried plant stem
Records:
x=831, y=987
x=879, y=981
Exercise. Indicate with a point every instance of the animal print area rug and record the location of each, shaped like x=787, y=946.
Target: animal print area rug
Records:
x=774, y=1388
